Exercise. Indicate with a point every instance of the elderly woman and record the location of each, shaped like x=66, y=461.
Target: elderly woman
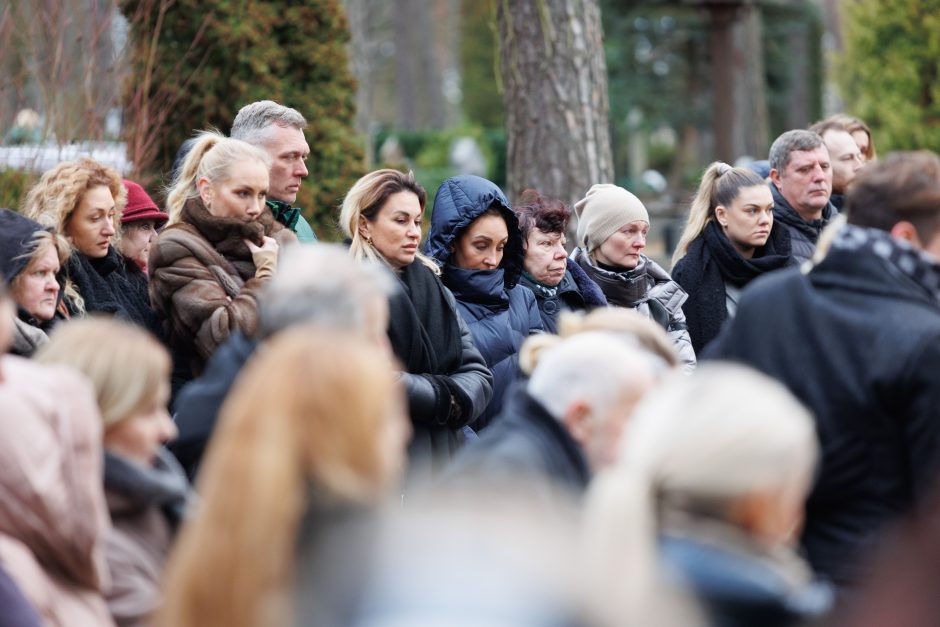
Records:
x=145, y=488
x=140, y=222
x=292, y=477
x=707, y=496
x=220, y=247
x=53, y=519
x=447, y=380
x=729, y=241
x=475, y=238
x=612, y=229
x=82, y=200
x=30, y=260
x=559, y=284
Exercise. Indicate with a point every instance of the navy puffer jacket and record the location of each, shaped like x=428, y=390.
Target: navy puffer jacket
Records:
x=500, y=313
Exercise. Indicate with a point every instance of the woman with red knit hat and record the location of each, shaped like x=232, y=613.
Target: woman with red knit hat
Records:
x=140, y=222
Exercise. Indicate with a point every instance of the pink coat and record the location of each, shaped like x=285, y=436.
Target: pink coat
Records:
x=54, y=522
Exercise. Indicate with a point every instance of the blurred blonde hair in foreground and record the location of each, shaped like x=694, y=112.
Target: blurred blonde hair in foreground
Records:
x=625, y=323
x=306, y=422
x=719, y=435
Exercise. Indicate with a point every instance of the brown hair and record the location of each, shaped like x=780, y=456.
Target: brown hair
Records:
x=904, y=186
x=852, y=125
x=720, y=186
x=366, y=198
x=545, y=214
x=277, y=442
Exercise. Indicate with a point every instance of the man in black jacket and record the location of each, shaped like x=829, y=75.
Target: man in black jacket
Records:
x=801, y=184
x=857, y=339
x=564, y=424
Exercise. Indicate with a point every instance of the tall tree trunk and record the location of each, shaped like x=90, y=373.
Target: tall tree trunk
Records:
x=555, y=93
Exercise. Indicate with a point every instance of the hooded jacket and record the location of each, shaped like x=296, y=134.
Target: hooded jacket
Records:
x=53, y=519
x=499, y=312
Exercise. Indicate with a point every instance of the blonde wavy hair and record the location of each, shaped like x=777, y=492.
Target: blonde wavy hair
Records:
x=211, y=157
x=277, y=444
x=720, y=186
x=128, y=376
x=366, y=198
x=646, y=334
x=52, y=201
x=58, y=193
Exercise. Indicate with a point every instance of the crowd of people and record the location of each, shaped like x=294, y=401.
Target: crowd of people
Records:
x=211, y=418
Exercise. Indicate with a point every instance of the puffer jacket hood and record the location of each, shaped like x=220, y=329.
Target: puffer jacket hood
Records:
x=462, y=199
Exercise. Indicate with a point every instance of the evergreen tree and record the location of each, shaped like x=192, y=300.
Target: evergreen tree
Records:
x=890, y=70
x=195, y=63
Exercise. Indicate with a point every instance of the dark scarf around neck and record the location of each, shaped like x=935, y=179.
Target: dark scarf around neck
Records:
x=423, y=327
x=739, y=270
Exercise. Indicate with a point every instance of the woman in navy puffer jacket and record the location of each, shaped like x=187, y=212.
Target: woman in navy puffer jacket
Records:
x=475, y=237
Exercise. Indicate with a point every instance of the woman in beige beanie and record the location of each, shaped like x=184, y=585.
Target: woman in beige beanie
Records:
x=612, y=229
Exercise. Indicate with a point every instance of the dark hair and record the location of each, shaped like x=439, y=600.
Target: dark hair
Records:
x=545, y=214
x=904, y=186
x=797, y=139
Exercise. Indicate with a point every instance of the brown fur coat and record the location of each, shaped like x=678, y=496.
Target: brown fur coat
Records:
x=202, y=279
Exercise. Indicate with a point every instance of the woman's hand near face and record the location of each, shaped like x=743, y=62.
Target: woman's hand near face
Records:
x=264, y=256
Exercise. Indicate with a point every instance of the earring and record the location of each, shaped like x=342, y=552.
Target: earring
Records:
x=369, y=240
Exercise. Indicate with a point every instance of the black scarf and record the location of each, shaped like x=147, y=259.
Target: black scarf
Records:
x=105, y=288
x=423, y=328
x=712, y=262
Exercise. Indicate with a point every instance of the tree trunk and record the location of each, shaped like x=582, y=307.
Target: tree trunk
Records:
x=555, y=92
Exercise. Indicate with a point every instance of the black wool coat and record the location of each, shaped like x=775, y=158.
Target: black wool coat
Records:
x=859, y=344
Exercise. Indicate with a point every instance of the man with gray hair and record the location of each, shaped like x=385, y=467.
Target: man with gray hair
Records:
x=565, y=424
x=801, y=184
x=315, y=285
x=279, y=130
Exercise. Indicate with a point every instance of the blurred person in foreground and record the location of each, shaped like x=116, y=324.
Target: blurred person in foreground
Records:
x=317, y=286
x=705, y=496
x=559, y=284
x=563, y=424
x=146, y=490
x=54, y=521
x=31, y=259
x=857, y=339
x=289, y=485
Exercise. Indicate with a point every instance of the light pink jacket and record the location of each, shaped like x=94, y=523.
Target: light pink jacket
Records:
x=53, y=519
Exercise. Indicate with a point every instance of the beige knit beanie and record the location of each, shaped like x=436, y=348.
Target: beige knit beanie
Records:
x=605, y=210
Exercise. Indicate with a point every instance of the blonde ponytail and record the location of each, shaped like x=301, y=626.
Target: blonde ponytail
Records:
x=720, y=186
x=211, y=157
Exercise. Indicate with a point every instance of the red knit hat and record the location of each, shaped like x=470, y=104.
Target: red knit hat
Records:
x=140, y=206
